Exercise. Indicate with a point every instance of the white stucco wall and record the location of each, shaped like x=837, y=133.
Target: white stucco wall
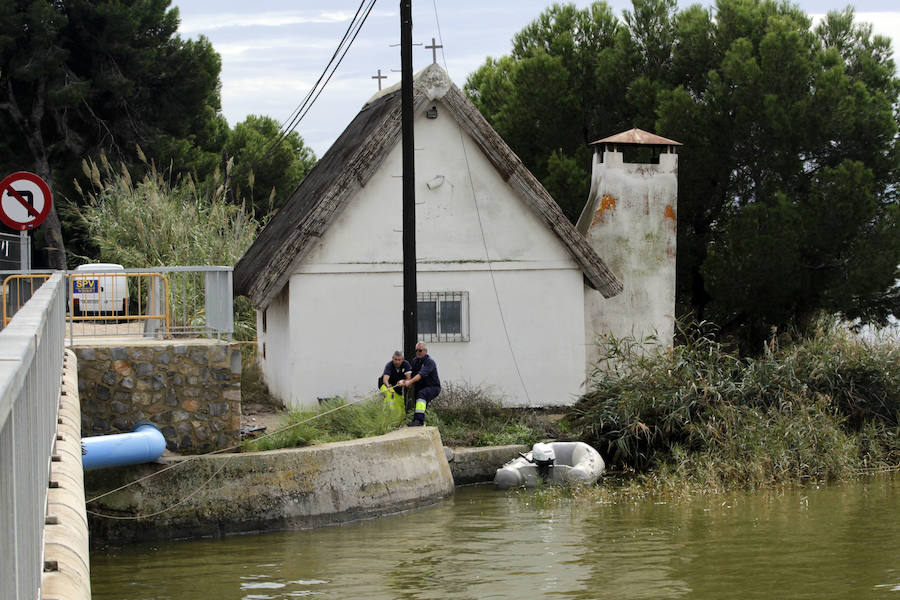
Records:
x=273, y=340
x=631, y=222
x=346, y=293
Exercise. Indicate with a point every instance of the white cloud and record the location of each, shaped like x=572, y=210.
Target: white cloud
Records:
x=234, y=50
x=201, y=23
x=206, y=22
x=884, y=23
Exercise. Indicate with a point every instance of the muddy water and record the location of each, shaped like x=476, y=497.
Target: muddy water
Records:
x=826, y=542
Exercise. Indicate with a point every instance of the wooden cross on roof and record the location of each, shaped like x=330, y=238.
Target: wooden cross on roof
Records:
x=379, y=77
x=434, y=48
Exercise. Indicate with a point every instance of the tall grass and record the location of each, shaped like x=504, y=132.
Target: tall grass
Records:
x=465, y=415
x=818, y=408
x=152, y=221
x=468, y=415
x=333, y=421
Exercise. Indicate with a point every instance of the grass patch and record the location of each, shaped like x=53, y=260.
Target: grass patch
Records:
x=333, y=421
x=464, y=415
x=474, y=416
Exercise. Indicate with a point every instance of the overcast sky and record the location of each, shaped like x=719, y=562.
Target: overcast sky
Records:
x=274, y=50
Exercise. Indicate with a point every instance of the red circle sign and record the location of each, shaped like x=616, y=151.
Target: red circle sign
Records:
x=25, y=200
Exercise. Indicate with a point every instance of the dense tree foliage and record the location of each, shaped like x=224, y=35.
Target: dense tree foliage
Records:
x=788, y=175
x=78, y=77
x=269, y=166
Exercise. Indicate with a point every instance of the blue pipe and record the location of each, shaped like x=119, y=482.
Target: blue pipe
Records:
x=144, y=444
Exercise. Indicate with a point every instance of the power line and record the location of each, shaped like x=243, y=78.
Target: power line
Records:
x=512, y=352
x=440, y=37
x=297, y=115
x=487, y=255
x=325, y=70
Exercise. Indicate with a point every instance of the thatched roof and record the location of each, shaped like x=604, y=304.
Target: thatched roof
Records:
x=355, y=157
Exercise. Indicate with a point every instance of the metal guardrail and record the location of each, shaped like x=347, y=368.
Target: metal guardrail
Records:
x=201, y=300
x=15, y=290
x=160, y=302
x=31, y=360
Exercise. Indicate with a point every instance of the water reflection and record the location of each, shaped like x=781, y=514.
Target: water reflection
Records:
x=832, y=542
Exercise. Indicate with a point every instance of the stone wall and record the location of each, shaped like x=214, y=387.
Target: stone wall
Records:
x=191, y=391
x=479, y=465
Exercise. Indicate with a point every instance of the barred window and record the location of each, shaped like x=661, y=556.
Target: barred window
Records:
x=443, y=316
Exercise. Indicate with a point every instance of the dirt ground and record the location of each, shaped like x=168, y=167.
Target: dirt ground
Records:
x=262, y=415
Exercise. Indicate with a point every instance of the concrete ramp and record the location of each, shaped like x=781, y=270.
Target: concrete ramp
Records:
x=280, y=489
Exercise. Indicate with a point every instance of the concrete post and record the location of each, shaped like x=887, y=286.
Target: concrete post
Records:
x=155, y=306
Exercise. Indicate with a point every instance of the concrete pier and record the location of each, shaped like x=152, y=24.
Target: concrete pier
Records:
x=478, y=465
x=280, y=489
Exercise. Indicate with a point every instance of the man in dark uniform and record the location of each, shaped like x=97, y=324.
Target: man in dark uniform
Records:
x=425, y=382
x=395, y=371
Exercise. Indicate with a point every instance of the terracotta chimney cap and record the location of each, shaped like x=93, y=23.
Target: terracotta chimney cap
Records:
x=638, y=137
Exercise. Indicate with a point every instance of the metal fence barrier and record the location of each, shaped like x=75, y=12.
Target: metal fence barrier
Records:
x=31, y=360
x=160, y=302
x=200, y=301
x=15, y=290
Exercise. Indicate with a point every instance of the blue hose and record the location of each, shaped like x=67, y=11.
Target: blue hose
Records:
x=144, y=444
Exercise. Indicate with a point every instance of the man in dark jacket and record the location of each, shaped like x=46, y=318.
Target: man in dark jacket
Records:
x=424, y=381
x=394, y=372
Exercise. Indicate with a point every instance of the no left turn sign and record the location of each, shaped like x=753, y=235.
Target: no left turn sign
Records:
x=25, y=201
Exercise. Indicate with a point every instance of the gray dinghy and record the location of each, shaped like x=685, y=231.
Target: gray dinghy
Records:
x=552, y=462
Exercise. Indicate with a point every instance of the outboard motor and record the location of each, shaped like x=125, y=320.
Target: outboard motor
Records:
x=543, y=457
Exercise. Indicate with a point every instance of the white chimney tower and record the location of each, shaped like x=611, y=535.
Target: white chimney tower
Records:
x=629, y=220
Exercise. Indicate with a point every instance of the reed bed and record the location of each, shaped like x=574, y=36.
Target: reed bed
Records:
x=819, y=408
x=152, y=221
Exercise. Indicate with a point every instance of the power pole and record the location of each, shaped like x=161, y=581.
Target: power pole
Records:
x=410, y=313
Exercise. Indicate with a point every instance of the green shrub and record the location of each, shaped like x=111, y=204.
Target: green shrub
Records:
x=757, y=446
x=818, y=408
x=644, y=398
x=473, y=416
x=863, y=376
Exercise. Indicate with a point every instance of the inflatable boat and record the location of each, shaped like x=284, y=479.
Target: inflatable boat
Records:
x=554, y=463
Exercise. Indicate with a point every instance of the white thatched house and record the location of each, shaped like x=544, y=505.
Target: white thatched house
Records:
x=511, y=294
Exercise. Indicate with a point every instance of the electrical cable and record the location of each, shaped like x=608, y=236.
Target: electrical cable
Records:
x=325, y=70
x=303, y=109
x=481, y=225
x=512, y=352
x=293, y=120
x=437, y=22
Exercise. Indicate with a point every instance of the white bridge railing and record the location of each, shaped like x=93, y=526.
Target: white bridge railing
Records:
x=31, y=362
